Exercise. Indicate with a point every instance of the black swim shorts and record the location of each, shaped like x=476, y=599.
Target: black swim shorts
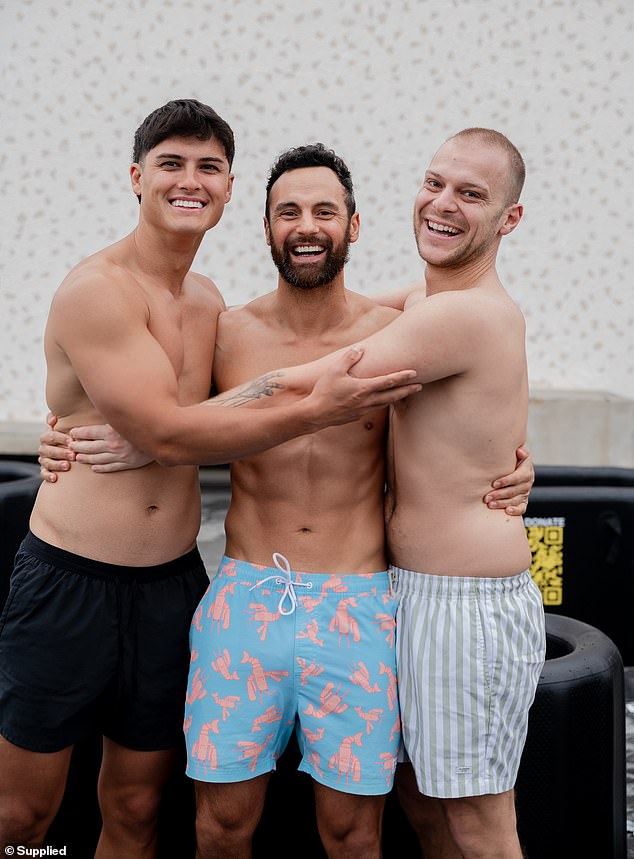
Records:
x=89, y=647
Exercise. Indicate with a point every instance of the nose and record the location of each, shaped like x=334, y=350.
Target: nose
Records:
x=445, y=200
x=307, y=225
x=189, y=178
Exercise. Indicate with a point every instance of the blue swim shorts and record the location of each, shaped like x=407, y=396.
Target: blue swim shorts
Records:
x=272, y=650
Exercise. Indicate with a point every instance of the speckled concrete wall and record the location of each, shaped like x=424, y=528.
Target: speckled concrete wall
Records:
x=383, y=88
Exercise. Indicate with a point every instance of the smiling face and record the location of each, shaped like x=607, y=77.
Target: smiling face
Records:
x=184, y=184
x=308, y=229
x=462, y=210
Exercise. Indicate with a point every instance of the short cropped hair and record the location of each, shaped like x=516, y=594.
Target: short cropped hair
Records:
x=184, y=117
x=313, y=155
x=516, y=162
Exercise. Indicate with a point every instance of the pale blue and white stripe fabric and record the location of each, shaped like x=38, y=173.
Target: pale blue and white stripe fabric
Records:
x=470, y=652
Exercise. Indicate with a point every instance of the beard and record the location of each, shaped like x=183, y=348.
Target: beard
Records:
x=307, y=276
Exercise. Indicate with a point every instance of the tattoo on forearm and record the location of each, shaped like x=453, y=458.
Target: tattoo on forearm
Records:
x=263, y=386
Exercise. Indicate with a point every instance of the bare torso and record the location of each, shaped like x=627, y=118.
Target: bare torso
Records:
x=446, y=443
x=317, y=499
x=149, y=515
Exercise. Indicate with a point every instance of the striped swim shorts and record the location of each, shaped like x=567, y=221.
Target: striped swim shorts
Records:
x=470, y=653
x=274, y=651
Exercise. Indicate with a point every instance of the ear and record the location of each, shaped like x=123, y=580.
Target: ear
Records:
x=267, y=231
x=354, y=227
x=513, y=217
x=229, y=188
x=135, y=178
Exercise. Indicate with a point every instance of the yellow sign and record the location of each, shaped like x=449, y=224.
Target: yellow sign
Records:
x=546, y=539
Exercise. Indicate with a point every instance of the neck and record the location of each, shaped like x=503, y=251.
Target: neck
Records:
x=311, y=312
x=164, y=256
x=475, y=272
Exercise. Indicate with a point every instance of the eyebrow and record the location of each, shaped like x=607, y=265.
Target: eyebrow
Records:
x=475, y=185
x=176, y=157
x=292, y=204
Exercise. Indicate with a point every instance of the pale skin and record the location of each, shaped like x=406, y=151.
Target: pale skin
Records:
x=130, y=340
x=329, y=517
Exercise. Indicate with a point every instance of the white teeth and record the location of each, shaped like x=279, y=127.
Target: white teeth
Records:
x=308, y=249
x=187, y=204
x=442, y=228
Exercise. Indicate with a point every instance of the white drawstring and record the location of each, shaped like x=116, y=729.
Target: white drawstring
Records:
x=289, y=590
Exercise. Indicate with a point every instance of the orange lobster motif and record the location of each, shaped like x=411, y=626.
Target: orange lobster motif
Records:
x=396, y=727
x=222, y=664
x=308, y=670
x=311, y=632
x=344, y=622
x=204, y=751
x=219, y=610
x=310, y=603
x=391, y=687
x=270, y=715
x=198, y=690
x=361, y=677
x=344, y=761
x=229, y=703
x=370, y=717
x=257, y=681
x=331, y=702
x=314, y=736
x=259, y=612
x=315, y=759
x=253, y=750
x=386, y=623
x=388, y=766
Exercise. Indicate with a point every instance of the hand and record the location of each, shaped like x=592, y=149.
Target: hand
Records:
x=340, y=398
x=105, y=450
x=512, y=491
x=54, y=454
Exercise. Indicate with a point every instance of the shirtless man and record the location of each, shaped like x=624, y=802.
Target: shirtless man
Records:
x=94, y=632
x=321, y=505
x=471, y=640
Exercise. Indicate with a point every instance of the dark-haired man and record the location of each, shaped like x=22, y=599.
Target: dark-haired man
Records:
x=298, y=625
x=94, y=632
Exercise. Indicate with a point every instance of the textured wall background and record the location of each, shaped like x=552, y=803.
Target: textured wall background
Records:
x=383, y=89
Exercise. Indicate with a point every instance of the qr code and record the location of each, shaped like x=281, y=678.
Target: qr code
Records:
x=547, y=548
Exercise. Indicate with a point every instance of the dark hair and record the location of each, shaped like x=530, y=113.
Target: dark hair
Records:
x=183, y=117
x=313, y=155
x=516, y=162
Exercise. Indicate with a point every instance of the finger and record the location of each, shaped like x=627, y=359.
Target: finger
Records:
x=55, y=438
x=348, y=359
x=518, y=510
x=509, y=494
x=51, y=419
x=99, y=445
x=110, y=467
x=95, y=431
x=387, y=398
x=52, y=464
x=101, y=458
x=53, y=451
x=522, y=453
x=391, y=380
x=511, y=500
x=48, y=476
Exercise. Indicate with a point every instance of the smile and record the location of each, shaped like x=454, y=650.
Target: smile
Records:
x=187, y=204
x=441, y=229
x=307, y=250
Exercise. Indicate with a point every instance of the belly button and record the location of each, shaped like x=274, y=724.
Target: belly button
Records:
x=152, y=508
x=369, y=425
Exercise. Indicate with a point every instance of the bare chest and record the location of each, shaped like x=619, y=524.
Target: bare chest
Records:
x=187, y=333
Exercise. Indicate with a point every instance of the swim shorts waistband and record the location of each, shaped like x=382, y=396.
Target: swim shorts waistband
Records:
x=100, y=569
x=316, y=582
x=428, y=584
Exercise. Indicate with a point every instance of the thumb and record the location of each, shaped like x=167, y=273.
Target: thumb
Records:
x=351, y=356
x=51, y=419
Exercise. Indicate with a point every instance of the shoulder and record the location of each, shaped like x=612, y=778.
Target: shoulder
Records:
x=369, y=316
x=206, y=290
